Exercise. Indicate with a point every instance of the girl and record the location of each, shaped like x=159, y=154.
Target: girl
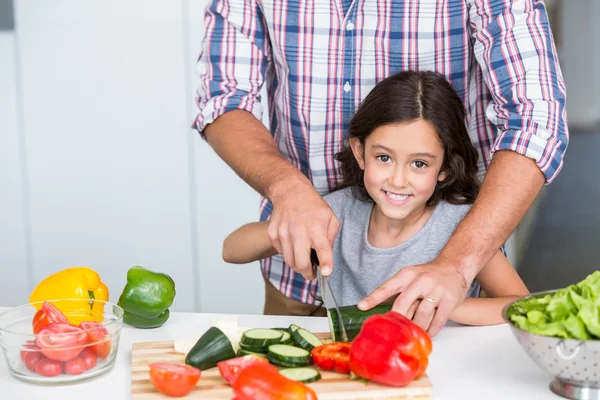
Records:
x=409, y=177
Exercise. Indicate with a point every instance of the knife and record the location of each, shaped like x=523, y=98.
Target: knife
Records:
x=315, y=264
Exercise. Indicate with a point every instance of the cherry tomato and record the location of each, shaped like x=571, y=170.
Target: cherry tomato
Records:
x=174, y=379
x=30, y=344
x=96, y=332
x=48, y=314
x=47, y=367
x=89, y=358
x=230, y=369
x=32, y=358
x=61, y=342
x=75, y=366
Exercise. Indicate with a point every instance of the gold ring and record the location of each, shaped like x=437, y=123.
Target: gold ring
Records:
x=429, y=299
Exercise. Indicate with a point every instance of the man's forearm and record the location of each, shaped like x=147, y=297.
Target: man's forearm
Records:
x=511, y=184
x=244, y=143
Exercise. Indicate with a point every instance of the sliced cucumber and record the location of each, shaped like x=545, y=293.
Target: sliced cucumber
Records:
x=304, y=374
x=288, y=356
x=254, y=349
x=293, y=327
x=260, y=337
x=212, y=347
x=305, y=339
x=286, y=338
x=243, y=352
x=352, y=318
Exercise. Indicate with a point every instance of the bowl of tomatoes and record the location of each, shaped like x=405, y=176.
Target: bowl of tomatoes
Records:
x=61, y=341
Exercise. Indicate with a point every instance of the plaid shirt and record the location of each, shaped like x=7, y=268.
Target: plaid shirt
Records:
x=321, y=58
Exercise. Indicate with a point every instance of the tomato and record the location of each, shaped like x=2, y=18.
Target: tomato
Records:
x=47, y=367
x=30, y=344
x=32, y=358
x=61, y=342
x=75, y=366
x=174, y=379
x=89, y=358
x=48, y=314
x=230, y=369
x=96, y=332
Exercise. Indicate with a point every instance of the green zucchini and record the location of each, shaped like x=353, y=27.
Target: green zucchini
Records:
x=352, y=318
x=261, y=337
x=243, y=352
x=254, y=349
x=212, y=347
x=286, y=338
x=305, y=339
x=288, y=356
x=303, y=374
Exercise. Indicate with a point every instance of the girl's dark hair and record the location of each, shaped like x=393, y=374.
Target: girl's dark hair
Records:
x=409, y=96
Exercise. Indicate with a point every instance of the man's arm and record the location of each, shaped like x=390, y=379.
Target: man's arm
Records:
x=230, y=119
x=514, y=47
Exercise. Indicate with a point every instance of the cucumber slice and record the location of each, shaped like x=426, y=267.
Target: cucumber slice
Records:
x=260, y=338
x=288, y=356
x=254, y=349
x=305, y=339
x=243, y=352
x=352, y=318
x=305, y=374
x=212, y=347
x=286, y=338
x=293, y=327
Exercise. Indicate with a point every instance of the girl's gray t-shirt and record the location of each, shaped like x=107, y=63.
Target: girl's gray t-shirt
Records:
x=360, y=268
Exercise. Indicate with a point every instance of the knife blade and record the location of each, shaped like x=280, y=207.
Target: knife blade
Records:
x=316, y=270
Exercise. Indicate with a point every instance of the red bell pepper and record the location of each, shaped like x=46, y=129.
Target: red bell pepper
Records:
x=333, y=356
x=264, y=382
x=390, y=349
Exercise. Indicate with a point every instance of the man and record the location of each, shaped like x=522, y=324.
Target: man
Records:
x=320, y=59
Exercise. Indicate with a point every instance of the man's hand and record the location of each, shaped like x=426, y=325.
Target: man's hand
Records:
x=302, y=220
x=428, y=293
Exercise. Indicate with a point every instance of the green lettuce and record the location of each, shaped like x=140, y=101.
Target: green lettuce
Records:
x=572, y=312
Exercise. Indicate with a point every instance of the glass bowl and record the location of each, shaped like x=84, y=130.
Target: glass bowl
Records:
x=61, y=353
x=575, y=364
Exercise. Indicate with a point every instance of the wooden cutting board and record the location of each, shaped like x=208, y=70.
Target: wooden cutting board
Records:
x=332, y=386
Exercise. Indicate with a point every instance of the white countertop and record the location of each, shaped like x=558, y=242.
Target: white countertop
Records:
x=466, y=362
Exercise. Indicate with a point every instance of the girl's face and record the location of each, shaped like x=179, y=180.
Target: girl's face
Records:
x=402, y=164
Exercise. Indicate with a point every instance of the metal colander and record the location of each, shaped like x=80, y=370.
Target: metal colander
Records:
x=575, y=364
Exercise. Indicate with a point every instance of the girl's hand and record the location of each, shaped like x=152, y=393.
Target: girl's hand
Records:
x=302, y=220
x=426, y=293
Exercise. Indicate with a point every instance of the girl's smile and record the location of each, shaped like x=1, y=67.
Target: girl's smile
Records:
x=402, y=165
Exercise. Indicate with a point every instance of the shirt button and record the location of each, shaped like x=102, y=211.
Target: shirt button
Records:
x=347, y=87
x=350, y=26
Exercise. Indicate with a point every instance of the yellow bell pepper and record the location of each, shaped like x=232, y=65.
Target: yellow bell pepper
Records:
x=73, y=283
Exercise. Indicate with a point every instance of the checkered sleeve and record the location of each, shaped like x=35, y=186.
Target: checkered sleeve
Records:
x=513, y=45
x=232, y=62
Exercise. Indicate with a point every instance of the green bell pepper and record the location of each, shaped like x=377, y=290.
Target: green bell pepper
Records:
x=146, y=298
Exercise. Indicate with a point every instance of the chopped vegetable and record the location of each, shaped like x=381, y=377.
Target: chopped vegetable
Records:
x=174, y=379
x=572, y=312
x=264, y=382
x=390, y=349
x=305, y=339
x=231, y=369
x=333, y=357
x=211, y=348
x=288, y=356
x=303, y=374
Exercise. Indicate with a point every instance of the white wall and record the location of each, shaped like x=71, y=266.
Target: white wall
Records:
x=104, y=167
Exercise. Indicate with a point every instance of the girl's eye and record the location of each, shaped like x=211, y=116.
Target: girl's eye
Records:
x=420, y=164
x=384, y=158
